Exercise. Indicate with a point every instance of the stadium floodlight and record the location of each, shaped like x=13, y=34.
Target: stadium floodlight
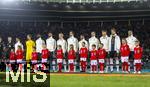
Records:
x=8, y=0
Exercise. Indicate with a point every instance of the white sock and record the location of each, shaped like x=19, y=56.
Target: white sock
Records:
x=117, y=66
x=107, y=68
x=111, y=68
x=111, y=64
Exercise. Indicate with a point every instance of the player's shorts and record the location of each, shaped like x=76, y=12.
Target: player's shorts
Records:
x=44, y=60
x=93, y=62
x=59, y=60
x=34, y=61
x=83, y=59
x=71, y=61
x=12, y=61
x=112, y=54
x=137, y=61
x=124, y=59
x=19, y=61
x=101, y=60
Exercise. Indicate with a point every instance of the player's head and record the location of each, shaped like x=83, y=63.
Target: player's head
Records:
x=38, y=36
x=137, y=42
x=83, y=44
x=93, y=46
x=17, y=39
x=44, y=46
x=130, y=32
x=61, y=35
x=71, y=33
x=12, y=50
x=59, y=47
x=113, y=31
x=104, y=32
x=93, y=34
x=101, y=45
x=71, y=46
x=50, y=34
x=9, y=38
x=19, y=47
x=34, y=49
x=124, y=41
x=29, y=37
x=81, y=37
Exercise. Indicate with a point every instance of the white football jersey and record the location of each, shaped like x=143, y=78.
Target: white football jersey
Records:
x=51, y=44
x=39, y=43
x=63, y=44
x=131, y=42
x=18, y=44
x=74, y=42
x=93, y=40
x=105, y=42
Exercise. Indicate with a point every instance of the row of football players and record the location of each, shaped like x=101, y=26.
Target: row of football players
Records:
x=97, y=57
x=110, y=44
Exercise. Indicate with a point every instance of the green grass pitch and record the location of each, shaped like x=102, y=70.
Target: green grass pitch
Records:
x=99, y=81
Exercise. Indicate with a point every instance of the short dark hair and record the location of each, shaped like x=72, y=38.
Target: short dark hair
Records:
x=93, y=45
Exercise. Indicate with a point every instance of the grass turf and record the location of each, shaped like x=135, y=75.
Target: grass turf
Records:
x=99, y=81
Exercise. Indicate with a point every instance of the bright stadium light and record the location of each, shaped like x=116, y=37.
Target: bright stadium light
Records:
x=7, y=1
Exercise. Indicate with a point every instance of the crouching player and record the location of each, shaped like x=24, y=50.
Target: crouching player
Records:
x=71, y=58
x=124, y=52
x=101, y=57
x=59, y=56
x=12, y=60
x=45, y=55
x=34, y=60
x=138, y=51
x=93, y=59
x=19, y=56
x=83, y=57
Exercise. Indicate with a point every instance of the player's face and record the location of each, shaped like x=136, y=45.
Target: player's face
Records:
x=81, y=37
x=38, y=36
x=9, y=38
x=71, y=47
x=137, y=43
x=113, y=32
x=59, y=47
x=71, y=33
x=50, y=34
x=44, y=46
x=28, y=37
x=34, y=49
x=93, y=34
x=130, y=33
x=123, y=41
x=60, y=36
x=93, y=47
x=17, y=39
x=104, y=33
